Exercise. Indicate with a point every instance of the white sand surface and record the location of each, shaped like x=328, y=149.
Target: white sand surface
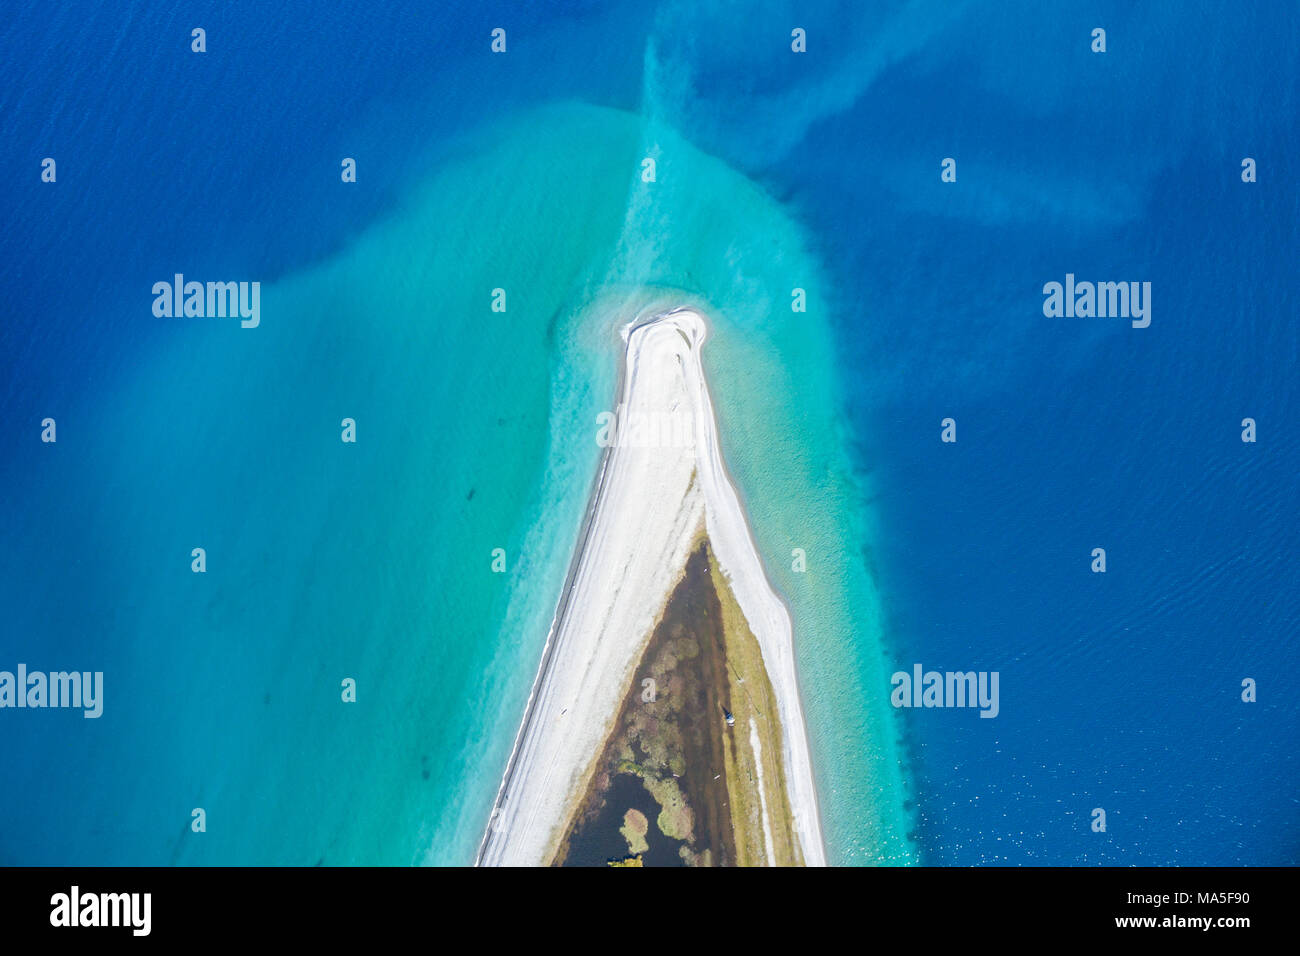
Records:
x=657, y=483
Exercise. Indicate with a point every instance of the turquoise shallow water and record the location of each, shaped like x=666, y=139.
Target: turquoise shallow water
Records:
x=476, y=431
x=702, y=234
x=373, y=560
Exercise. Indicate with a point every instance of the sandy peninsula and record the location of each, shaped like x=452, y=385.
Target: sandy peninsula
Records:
x=661, y=487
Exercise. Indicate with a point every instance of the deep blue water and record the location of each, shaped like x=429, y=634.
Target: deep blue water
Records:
x=1118, y=691
x=1121, y=690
